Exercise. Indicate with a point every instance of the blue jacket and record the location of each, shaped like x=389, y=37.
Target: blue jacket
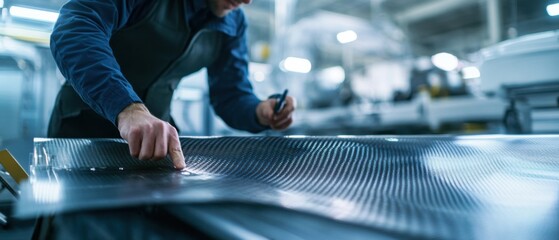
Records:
x=80, y=46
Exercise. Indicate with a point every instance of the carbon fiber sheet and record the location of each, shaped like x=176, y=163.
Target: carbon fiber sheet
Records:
x=427, y=187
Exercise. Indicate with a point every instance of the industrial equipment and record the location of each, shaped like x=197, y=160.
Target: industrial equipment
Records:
x=524, y=71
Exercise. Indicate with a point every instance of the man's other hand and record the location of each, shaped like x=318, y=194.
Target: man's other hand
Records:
x=277, y=121
x=149, y=138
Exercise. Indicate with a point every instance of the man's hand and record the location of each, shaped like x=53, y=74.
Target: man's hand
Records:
x=278, y=121
x=149, y=138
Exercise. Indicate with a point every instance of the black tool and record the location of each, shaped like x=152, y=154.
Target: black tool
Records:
x=280, y=101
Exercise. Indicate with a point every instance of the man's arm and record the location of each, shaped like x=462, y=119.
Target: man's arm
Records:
x=231, y=93
x=80, y=46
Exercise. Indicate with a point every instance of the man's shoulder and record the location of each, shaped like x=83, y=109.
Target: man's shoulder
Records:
x=238, y=16
x=234, y=23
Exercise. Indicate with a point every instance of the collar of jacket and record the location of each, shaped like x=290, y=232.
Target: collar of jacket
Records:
x=231, y=24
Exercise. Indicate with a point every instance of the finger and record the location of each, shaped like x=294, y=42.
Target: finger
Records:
x=282, y=121
x=279, y=119
x=175, y=151
x=284, y=125
x=148, y=144
x=265, y=111
x=294, y=102
x=285, y=113
x=268, y=111
x=287, y=109
x=290, y=103
x=134, y=139
x=160, y=150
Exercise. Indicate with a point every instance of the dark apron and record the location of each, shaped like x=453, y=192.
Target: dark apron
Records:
x=154, y=55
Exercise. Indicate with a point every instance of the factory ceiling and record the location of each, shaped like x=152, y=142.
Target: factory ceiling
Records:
x=430, y=26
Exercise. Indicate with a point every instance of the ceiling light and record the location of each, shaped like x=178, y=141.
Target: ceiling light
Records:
x=347, y=36
x=33, y=14
x=445, y=61
x=331, y=78
x=1, y=3
x=553, y=9
x=298, y=65
x=471, y=72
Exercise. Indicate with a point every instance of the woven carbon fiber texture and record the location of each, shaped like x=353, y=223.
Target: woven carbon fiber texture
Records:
x=427, y=187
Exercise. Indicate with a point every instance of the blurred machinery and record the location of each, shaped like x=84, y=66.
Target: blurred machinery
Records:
x=18, y=65
x=524, y=71
x=367, y=81
x=342, y=56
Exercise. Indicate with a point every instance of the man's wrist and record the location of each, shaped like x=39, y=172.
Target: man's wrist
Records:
x=134, y=107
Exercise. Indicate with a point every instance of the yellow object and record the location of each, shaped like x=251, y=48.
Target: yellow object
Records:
x=266, y=52
x=29, y=35
x=12, y=166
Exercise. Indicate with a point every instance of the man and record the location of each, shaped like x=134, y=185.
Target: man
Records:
x=123, y=59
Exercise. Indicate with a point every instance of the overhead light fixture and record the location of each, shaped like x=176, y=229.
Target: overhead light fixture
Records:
x=553, y=9
x=25, y=34
x=471, y=72
x=347, y=36
x=297, y=65
x=332, y=77
x=33, y=14
x=445, y=61
x=1, y=3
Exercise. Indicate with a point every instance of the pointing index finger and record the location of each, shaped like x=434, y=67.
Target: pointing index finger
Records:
x=175, y=152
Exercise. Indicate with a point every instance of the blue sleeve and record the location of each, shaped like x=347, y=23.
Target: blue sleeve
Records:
x=80, y=46
x=231, y=93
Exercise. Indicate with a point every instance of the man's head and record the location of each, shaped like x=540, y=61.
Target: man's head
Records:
x=221, y=8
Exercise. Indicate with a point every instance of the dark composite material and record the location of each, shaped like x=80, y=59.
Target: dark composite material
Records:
x=449, y=187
